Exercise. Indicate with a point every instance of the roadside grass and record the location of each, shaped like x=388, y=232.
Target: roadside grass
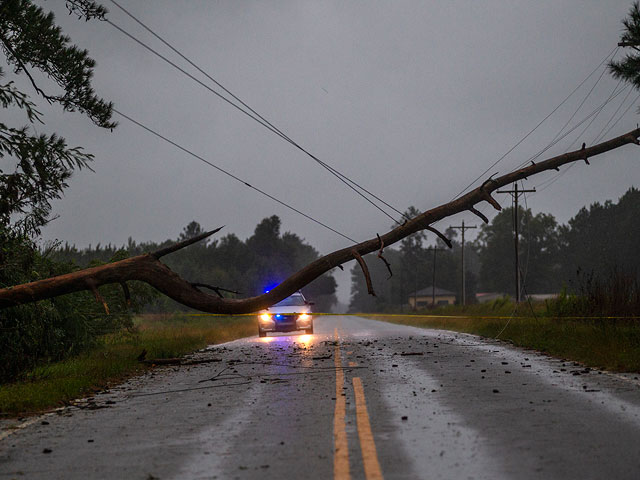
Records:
x=114, y=359
x=600, y=343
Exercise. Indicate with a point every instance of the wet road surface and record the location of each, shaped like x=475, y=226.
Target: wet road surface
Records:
x=359, y=399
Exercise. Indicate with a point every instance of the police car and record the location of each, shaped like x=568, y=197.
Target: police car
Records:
x=292, y=313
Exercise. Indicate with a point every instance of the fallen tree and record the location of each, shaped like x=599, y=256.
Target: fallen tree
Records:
x=148, y=267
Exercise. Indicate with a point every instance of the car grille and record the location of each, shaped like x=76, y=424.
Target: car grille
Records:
x=285, y=319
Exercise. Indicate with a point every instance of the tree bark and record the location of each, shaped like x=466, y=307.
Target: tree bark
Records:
x=149, y=269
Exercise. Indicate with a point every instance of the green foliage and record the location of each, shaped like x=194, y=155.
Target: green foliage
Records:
x=614, y=295
x=43, y=166
x=115, y=356
x=413, y=245
x=592, y=244
x=262, y=261
x=390, y=292
x=37, y=167
x=602, y=236
x=35, y=170
x=56, y=328
x=500, y=307
x=628, y=69
x=412, y=265
x=499, y=303
x=30, y=39
x=539, y=252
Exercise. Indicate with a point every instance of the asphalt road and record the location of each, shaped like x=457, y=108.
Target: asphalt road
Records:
x=359, y=399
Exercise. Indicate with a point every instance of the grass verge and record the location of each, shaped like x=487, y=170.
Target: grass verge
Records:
x=610, y=344
x=115, y=358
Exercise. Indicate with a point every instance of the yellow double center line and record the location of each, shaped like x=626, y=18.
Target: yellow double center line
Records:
x=340, y=444
x=370, y=461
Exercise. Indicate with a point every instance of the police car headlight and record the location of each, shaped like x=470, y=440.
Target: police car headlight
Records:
x=265, y=317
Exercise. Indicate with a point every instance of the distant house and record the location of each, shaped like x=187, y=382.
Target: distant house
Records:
x=539, y=297
x=491, y=296
x=424, y=298
x=484, y=297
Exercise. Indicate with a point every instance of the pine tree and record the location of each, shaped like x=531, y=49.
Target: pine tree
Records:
x=628, y=69
x=34, y=170
x=37, y=167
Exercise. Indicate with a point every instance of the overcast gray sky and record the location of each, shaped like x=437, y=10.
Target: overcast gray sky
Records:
x=413, y=99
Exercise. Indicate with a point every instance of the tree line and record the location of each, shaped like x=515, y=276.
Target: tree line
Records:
x=248, y=267
x=598, y=239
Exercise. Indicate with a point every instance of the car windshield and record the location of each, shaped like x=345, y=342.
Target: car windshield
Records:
x=292, y=301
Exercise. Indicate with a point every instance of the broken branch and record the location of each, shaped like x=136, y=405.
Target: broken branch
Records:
x=190, y=241
x=127, y=293
x=382, y=258
x=479, y=214
x=98, y=296
x=365, y=271
x=441, y=236
x=214, y=288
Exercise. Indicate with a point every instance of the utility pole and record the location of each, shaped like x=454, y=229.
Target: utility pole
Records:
x=433, y=279
x=401, y=289
x=415, y=287
x=515, y=194
x=463, y=228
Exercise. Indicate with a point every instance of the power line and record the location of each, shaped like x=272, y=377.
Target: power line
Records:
x=229, y=174
x=610, y=54
x=553, y=140
x=557, y=139
x=550, y=181
x=250, y=112
x=593, y=115
x=601, y=135
x=273, y=128
x=614, y=93
x=622, y=116
x=586, y=97
x=610, y=99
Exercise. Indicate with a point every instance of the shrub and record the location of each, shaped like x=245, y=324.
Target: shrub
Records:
x=54, y=329
x=615, y=295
